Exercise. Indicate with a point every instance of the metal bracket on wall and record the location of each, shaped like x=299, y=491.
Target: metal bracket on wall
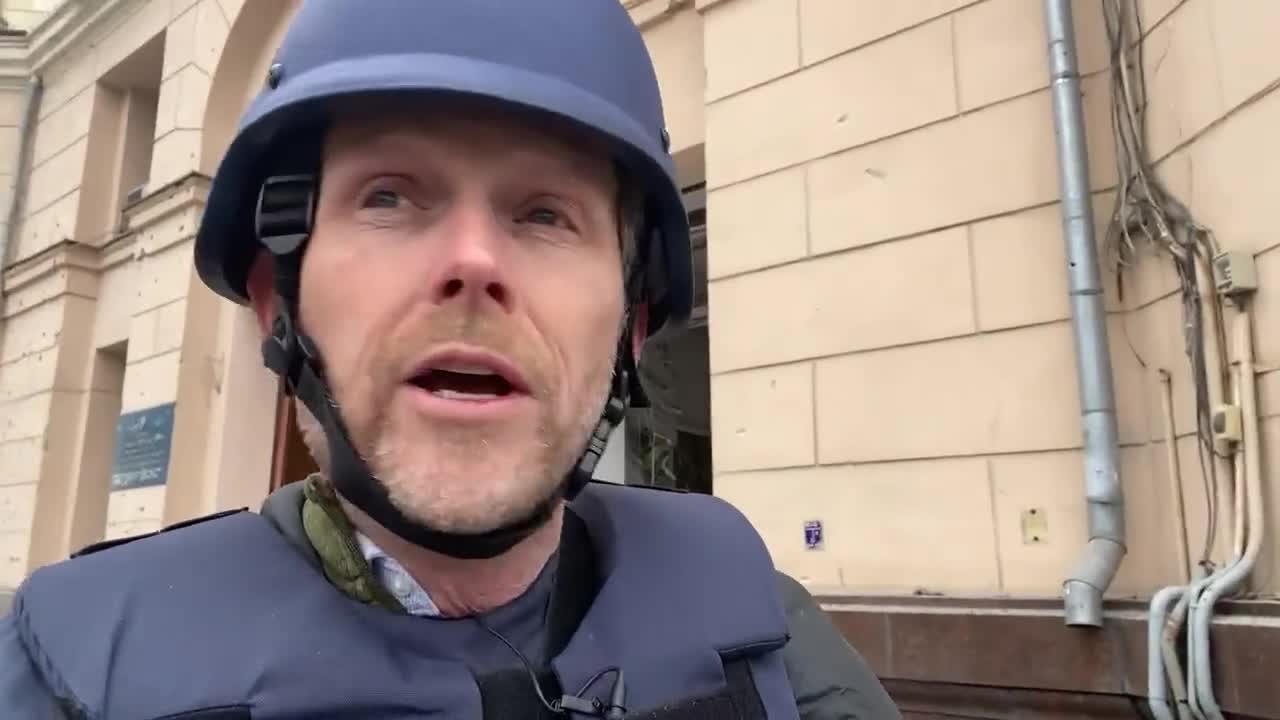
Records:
x=1035, y=526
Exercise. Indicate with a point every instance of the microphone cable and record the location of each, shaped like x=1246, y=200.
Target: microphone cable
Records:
x=615, y=710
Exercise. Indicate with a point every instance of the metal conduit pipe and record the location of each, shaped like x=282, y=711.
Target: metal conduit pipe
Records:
x=26, y=127
x=1229, y=579
x=1083, y=590
x=1157, y=684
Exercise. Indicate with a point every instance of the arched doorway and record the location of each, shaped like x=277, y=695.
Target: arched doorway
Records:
x=253, y=398
x=251, y=43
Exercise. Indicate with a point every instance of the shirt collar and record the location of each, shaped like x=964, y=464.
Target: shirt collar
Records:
x=397, y=581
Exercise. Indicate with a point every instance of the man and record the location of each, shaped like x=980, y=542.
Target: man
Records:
x=457, y=223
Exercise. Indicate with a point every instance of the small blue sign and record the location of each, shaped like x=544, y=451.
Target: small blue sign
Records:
x=143, y=440
x=813, y=534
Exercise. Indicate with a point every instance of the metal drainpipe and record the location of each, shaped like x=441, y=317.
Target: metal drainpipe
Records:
x=35, y=88
x=1083, y=590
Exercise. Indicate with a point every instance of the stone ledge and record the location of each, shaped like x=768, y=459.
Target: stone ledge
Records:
x=941, y=701
x=117, y=251
x=188, y=191
x=66, y=268
x=13, y=61
x=1000, y=653
x=70, y=267
x=647, y=13
x=187, y=194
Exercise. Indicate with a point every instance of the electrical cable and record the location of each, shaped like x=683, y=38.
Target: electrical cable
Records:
x=614, y=710
x=553, y=706
x=1145, y=210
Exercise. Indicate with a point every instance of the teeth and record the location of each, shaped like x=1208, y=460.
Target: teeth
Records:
x=467, y=369
x=455, y=395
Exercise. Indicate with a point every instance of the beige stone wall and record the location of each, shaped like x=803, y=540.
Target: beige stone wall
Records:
x=890, y=340
x=125, y=87
x=891, y=346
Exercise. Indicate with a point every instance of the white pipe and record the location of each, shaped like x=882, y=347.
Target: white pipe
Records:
x=1238, y=492
x=1241, y=529
x=1214, y=354
x=1193, y=642
x=1189, y=704
x=1157, y=699
x=1175, y=477
x=1182, y=681
x=1195, y=673
x=1169, y=649
x=1163, y=664
x=1236, y=573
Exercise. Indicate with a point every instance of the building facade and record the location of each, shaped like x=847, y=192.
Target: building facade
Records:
x=883, y=373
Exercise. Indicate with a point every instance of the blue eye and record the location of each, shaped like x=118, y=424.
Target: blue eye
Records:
x=543, y=215
x=382, y=199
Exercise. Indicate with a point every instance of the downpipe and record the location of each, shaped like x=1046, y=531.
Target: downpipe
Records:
x=27, y=123
x=1084, y=588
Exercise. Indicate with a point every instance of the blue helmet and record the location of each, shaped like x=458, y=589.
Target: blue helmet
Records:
x=581, y=61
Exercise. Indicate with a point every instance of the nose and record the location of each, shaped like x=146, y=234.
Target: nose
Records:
x=471, y=269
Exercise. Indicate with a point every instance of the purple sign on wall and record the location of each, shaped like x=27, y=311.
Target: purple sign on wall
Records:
x=813, y=534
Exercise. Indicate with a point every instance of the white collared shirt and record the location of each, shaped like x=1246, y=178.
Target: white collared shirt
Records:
x=396, y=579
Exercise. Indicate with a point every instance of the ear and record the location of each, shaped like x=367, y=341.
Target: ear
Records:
x=261, y=291
x=639, y=330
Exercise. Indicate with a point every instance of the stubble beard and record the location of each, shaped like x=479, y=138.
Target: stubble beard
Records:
x=470, y=479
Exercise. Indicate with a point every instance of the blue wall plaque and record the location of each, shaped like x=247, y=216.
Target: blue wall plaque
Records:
x=143, y=439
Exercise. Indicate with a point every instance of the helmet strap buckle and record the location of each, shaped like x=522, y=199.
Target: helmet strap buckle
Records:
x=285, y=209
x=285, y=351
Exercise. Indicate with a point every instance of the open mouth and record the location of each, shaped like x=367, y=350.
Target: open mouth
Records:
x=476, y=380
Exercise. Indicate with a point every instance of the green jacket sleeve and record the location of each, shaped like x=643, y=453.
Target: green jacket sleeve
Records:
x=830, y=679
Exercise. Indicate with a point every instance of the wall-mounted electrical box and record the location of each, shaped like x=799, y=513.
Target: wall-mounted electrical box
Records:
x=1235, y=273
x=1226, y=422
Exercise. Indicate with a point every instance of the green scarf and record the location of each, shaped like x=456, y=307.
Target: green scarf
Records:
x=334, y=539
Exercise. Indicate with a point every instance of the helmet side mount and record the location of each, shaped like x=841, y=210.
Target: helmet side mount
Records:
x=286, y=206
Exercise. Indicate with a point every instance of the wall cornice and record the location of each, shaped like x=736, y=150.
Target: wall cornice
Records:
x=66, y=268
x=646, y=13
x=14, y=69
x=68, y=28
x=73, y=267
x=188, y=192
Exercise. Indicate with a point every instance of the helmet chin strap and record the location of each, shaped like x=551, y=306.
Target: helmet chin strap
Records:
x=285, y=210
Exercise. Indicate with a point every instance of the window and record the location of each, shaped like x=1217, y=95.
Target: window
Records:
x=121, y=137
x=668, y=443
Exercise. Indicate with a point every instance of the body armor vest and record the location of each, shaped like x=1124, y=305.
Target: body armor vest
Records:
x=224, y=618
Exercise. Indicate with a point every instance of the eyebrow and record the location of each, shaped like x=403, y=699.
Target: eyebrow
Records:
x=362, y=140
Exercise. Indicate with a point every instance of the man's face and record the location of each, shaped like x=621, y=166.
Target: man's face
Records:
x=464, y=286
